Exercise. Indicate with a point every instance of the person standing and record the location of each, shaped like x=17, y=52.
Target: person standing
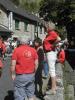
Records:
x=61, y=54
x=38, y=75
x=45, y=67
x=1, y=46
x=49, y=47
x=1, y=67
x=60, y=64
x=4, y=50
x=23, y=67
x=1, y=54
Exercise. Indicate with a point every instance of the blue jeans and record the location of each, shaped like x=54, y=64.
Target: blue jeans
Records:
x=46, y=68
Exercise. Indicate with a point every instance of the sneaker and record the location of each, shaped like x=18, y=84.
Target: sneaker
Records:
x=50, y=92
x=45, y=77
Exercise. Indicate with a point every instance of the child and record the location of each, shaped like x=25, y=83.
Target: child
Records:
x=61, y=54
x=60, y=65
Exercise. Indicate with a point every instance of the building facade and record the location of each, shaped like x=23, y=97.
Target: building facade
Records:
x=19, y=22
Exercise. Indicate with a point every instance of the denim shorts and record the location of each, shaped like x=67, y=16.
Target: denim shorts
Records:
x=24, y=86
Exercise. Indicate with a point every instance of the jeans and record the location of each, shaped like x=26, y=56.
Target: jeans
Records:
x=46, y=68
x=24, y=86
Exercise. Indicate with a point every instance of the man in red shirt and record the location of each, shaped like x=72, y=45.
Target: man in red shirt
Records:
x=1, y=66
x=1, y=46
x=49, y=47
x=23, y=67
x=1, y=53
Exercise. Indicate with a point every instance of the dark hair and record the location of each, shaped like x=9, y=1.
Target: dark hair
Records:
x=38, y=40
x=1, y=37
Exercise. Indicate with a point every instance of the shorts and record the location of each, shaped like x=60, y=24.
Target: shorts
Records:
x=24, y=86
x=51, y=59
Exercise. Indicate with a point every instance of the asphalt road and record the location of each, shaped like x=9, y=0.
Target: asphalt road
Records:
x=6, y=84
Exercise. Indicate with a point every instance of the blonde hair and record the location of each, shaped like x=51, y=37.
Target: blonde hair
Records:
x=50, y=25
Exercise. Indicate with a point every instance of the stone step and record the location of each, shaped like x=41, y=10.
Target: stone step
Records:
x=70, y=77
x=58, y=96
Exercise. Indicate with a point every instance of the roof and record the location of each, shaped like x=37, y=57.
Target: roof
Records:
x=9, y=6
x=3, y=29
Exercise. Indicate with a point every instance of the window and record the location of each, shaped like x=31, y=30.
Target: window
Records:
x=0, y=12
x=40, y=29
x=16, y=24
x=35, y=29
x=25, y=26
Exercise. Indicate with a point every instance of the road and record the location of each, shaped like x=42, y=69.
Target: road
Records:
x=6, y=84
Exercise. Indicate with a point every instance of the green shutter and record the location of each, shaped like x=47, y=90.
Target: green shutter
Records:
x=35, y=29
x=25, y=26
x=40, y=29
x=16, y=24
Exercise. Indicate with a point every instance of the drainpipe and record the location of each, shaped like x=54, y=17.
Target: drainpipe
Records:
x=10, y=20
x=37, y=29
x=74, y=90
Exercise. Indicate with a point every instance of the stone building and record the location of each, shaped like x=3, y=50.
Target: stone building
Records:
x=19, y=22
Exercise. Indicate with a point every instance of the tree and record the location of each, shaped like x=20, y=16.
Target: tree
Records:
x=48, y=9
x=29, y=5
x=59, y=11
x=15, y=1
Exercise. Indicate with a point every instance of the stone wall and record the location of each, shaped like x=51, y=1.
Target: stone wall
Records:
x=4, y=20
x=29, y=33
x=60, y=86
x=3, y=17
x=65, y=83
x=69, y=82
x=21, y=31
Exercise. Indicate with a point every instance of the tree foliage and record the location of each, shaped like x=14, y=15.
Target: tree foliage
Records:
x=48, y=9
x=57, y=10
x=15, y=1
x=30, y=5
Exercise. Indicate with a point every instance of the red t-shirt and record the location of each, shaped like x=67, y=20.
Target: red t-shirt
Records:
x=1, y=64
x=0, y=43
x=4, y=48
x=49, y=40
x=61, y=56
x=25, y=57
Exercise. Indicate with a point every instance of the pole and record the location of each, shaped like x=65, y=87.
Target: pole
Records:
x=37, y=29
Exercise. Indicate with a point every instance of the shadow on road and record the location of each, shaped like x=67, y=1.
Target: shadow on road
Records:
x=10, y=95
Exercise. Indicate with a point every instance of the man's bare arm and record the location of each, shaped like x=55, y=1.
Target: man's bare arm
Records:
x=12, y=69
x=36, y=64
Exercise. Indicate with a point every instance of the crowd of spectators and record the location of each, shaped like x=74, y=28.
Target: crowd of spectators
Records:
x=33, y=60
